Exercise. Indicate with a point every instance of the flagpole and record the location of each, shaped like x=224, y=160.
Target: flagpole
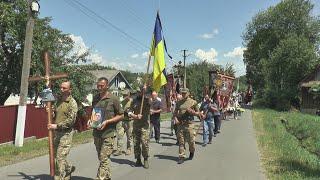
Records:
x=145, y=83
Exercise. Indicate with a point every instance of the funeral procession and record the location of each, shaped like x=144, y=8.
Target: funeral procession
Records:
x=158, y=89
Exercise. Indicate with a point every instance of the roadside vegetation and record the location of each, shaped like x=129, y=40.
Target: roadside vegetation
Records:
x=289, y=144
x=9, y=154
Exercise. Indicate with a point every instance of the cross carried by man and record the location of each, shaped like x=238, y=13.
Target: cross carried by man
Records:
x=47, y=77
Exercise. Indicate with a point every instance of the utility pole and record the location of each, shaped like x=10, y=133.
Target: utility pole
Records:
x=185, y=69
x=32, y=9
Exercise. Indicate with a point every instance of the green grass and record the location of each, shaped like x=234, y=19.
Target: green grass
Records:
x=165, y=116
x=283, y=154
x=9, y=154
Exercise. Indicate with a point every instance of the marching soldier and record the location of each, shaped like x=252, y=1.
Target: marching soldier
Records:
x=119, y=134
x=140, y=128
x=127, y=122
x=105, y=133
x=184, y=112
x=65, y=116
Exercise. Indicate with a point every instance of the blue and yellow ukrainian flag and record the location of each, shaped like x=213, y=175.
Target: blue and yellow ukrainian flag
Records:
x=157, y=50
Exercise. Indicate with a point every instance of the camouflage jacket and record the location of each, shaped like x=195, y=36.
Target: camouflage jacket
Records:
x=126, y=103
x=66, y=113
x=135, y=109
x=112, y=107
x=181, y=109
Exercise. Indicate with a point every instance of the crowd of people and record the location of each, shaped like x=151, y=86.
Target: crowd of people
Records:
x=135, y=116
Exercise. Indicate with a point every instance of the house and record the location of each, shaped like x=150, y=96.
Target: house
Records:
x=308, y=103
x=117, y=81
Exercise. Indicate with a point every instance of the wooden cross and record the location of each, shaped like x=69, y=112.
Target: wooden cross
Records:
x=47, y=78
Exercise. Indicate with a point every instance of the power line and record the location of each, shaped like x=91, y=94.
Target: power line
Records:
x=132, y=12
x=126, y=35
x=111, y=24
x=72, y=4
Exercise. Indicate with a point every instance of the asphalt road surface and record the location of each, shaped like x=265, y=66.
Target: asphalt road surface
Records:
x=233, y=155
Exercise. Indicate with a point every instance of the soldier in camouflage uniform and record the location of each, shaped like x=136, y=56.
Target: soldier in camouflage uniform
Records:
x=65, y=116
x=141, y=129
x=184, y=112
x=105, y=134
x=127, y=122
x=119, y=134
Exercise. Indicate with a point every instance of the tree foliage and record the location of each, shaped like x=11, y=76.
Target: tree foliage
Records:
x=13, y=18
x=198, y=76
x=282, y=47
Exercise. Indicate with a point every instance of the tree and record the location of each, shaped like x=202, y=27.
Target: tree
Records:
x=13, y=18
x=198, y=77
x=281, y=49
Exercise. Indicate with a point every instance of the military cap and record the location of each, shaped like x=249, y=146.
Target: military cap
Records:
x=184, y=90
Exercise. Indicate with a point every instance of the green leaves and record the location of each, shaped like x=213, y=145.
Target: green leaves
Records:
x=13, y=18
x=281, y=49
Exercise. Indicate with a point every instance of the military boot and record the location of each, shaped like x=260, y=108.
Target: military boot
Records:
x=146, y=164
x=138, y=163
x=181, y=160
x=191, y=155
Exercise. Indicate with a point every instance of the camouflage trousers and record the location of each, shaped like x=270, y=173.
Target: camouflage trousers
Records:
x=62, y=145
x=128, y=128
x=120, y=135
x=141, y=142
x=104, y=147
x=186, y=133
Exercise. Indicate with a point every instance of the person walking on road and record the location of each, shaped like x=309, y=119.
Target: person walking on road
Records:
x=207, y=111
x=184, y=112
x=65, y=117
x=127, y=122
x=141, y=128
x=155, y=111
x=104, y=134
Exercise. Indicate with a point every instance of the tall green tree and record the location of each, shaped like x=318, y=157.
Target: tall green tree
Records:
x=198, y=77
x=282, y=47
x=13, y=18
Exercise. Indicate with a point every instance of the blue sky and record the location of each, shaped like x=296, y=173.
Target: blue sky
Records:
x=208, y=29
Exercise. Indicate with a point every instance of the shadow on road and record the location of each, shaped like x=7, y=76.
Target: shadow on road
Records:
x=43, y=177
x=123, y=161
x=168, y=134
x=167, y=144
x=168, y=138
x=160, y=156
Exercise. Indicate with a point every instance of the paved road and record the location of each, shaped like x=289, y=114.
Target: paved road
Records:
x=232, y=156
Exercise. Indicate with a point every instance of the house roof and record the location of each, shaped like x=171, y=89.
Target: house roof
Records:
x=109, y=74
x=309, y=84
x=310, y=77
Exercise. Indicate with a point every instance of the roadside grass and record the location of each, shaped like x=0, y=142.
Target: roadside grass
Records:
x=165, y=116
x=9, y=154
x=289, y=148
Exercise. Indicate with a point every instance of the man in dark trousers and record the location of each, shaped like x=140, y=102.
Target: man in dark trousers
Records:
x=155, y=111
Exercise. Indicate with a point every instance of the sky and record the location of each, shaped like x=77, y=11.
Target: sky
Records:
x=118, y=33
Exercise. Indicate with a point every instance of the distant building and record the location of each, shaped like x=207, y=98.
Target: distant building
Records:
x=117, y=81
x=308, y=103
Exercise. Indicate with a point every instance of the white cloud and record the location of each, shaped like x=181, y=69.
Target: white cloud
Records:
x=237, y=52
x=80, y=47
x=123, y=65
x=145, y=54
x=209, y=35
x=135, y=56
x=209, y=56
x=96, y=58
